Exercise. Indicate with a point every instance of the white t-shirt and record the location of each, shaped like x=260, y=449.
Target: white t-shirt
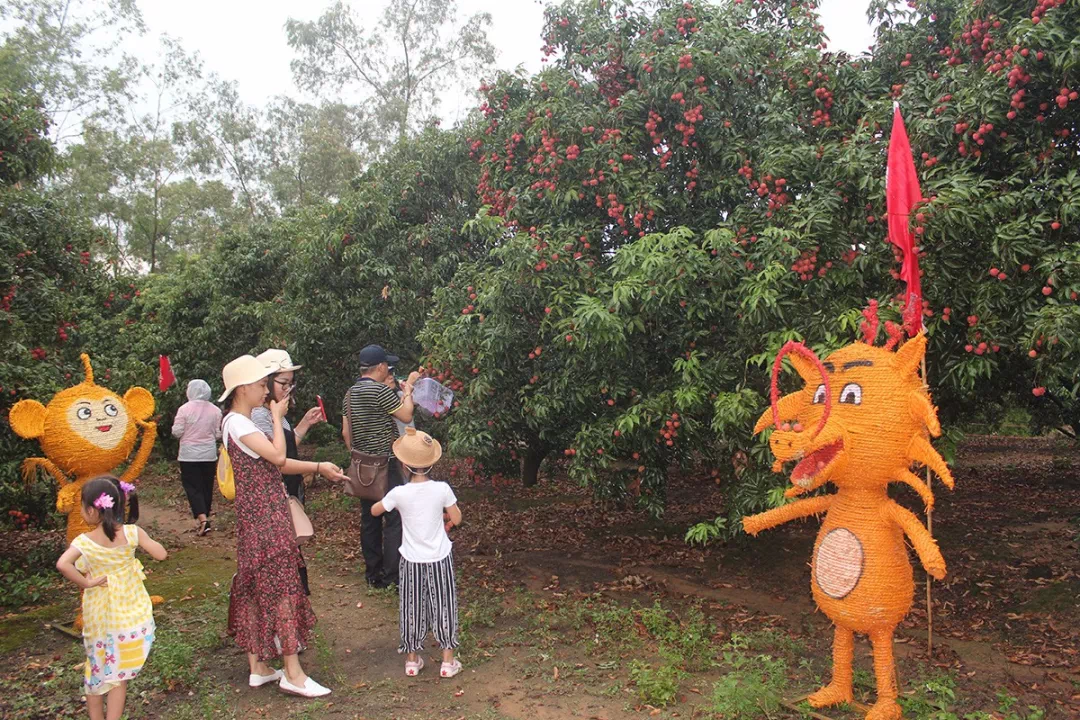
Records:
x=421, y=504
x=265, y=421
x=237, y=426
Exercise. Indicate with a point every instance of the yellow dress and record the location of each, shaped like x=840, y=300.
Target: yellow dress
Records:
x=118, y=618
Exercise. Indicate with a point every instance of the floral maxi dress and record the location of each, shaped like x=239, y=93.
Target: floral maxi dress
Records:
x=118, y=618
x=269, y=613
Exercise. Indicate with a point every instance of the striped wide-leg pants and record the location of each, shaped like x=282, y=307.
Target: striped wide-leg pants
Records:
x=428, y=600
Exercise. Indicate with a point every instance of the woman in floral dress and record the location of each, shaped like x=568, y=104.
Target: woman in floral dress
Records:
x=269, y=613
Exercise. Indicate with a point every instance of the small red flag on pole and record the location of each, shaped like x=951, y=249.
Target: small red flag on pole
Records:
x=902, y=194
x=165, y=373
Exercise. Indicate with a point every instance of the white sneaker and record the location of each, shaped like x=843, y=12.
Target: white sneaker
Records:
x=260, y=680
x=310, y=688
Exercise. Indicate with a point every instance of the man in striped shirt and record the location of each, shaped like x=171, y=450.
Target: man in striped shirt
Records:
x=367, y=425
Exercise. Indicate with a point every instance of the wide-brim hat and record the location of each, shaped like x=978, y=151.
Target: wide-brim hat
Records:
x=244, y=370
x=417, y=449
x=278, y=360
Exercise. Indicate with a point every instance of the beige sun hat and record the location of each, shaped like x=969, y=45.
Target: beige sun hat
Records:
x=244, y=370
x=417, y=449
x=278, y=360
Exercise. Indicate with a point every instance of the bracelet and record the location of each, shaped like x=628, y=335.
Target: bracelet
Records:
x=318, y=468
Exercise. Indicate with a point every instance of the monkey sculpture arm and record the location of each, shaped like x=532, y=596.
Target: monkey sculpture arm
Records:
x=30, y=467
x=139, y=461
x=68, y=498
x=786, y=513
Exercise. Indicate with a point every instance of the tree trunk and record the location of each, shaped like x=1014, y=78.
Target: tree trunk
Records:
x=530, y=465
x=157, y=212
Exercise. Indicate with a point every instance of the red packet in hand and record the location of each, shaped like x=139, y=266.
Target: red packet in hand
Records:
x=322, y=407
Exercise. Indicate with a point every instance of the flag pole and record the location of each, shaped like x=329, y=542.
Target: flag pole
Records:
x=905, y=195
x=930, y=530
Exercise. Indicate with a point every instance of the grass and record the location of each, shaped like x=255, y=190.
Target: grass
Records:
x=210, y=702
x=39, y=690
x=19, y=630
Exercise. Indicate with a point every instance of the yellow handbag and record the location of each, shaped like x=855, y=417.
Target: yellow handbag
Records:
x=225, y=475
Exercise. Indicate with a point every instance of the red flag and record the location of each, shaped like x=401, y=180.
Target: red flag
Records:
x=165, y=373
x=902, y=193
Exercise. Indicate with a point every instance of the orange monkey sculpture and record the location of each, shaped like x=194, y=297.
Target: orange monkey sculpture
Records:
x=862, y=419
x=85, y=431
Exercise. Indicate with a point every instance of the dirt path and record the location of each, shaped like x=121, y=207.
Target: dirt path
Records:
x=356, y=651
x=538, y=569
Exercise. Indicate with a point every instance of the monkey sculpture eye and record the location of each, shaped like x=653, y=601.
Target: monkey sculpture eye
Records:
x=83, y=413
x=111, y=410
x=851, y=394
x=819, y=395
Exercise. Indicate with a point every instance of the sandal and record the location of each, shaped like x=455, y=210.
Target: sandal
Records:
x=450, y=669
x=412, y=669
x=204, y=529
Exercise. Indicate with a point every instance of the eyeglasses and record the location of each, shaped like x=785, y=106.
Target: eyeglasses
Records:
x=286, y=383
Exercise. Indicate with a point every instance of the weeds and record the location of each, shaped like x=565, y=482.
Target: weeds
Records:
x=612, y=626
x=28, y=579
x=753, y=686
x=18, y=589
x=934, y=697
x=686, y=638
x=659, y=686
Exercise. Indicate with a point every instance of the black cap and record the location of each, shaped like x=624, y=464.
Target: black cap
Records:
x=373, y=355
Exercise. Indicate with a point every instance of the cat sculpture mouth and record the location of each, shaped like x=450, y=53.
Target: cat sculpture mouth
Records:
x=817, y=464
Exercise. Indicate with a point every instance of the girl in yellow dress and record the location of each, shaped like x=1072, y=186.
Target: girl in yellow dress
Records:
x=118, y=618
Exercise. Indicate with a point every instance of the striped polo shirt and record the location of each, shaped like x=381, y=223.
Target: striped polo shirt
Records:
x=369, y=406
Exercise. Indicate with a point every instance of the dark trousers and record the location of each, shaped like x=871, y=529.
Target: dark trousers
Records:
x=380, y=538
x=198, y=481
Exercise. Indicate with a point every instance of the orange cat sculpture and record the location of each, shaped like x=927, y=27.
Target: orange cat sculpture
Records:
x=860, y=422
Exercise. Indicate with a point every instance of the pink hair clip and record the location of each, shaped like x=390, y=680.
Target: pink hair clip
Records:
x=104, y=501
x=127, y=487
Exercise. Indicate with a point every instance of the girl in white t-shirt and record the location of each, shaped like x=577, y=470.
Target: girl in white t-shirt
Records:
x=428, y=598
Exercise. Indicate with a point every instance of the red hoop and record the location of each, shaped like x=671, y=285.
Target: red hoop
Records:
x=797, y=347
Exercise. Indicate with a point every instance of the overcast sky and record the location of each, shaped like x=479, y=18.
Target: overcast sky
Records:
x=244, y=40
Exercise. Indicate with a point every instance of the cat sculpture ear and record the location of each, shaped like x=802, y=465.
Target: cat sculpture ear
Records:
x=910, y=355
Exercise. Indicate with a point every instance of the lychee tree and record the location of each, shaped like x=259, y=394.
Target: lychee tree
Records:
x=688, y=187
x=991, y=90
x=364, y=270
x=53, y=291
